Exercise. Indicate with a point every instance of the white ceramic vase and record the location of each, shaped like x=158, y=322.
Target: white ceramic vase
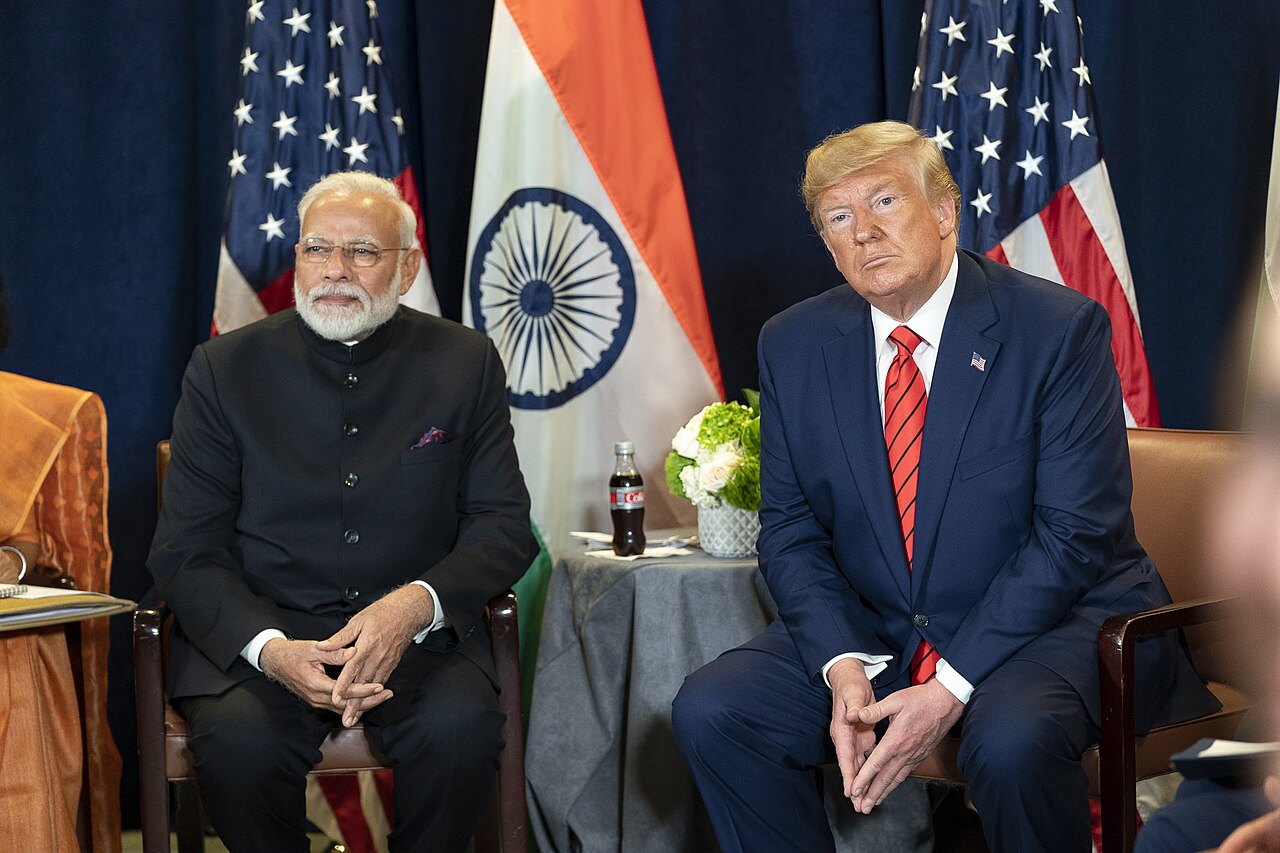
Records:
x=726, y=531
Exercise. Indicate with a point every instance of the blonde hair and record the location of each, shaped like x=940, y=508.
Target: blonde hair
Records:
x=347, y=184
x=842, y=154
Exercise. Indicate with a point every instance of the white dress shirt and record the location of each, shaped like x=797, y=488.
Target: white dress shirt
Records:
x=927, y=322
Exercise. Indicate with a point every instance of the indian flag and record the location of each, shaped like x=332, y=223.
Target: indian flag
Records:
x=581, y=262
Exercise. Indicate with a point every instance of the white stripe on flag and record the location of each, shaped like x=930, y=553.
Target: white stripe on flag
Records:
x=1093, y=191
x=235, y=303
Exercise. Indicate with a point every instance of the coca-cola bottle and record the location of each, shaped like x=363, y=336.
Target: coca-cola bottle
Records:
x=626, y=501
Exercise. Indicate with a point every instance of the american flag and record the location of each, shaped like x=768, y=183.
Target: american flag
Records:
x=314, y=98
x=1003, y=88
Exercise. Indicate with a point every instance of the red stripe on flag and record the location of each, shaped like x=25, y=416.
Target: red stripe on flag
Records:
x=1085, y=267
x=996, y=253
x=343, y=795
x=409, y=191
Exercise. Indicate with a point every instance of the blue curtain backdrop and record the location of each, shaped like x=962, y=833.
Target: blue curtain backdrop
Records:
x=115, y=128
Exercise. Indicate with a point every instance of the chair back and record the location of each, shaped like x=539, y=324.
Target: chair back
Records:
x=1175, y=473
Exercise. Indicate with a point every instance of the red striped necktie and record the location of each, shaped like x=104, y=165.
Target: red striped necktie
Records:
x=905, y=402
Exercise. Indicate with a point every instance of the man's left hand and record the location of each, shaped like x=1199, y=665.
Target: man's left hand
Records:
x=919, y=717
x=380, y=633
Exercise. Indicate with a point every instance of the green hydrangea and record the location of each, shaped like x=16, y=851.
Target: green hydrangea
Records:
x=674, y=465
x=726, y=422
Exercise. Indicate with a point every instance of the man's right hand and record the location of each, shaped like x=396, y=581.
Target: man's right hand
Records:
x=299, y=666
x=850, y=692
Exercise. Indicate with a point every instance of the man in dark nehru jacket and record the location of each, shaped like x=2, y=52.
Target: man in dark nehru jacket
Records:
x=343, y=498
x=946, y=524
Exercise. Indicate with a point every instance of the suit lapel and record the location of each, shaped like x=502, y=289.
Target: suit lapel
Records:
x=851, y=375
x=953, y=394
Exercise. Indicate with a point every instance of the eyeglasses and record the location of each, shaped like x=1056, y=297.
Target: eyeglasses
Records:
x=359, y=254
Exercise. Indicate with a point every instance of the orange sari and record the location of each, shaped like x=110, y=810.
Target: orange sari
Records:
x=53, y=490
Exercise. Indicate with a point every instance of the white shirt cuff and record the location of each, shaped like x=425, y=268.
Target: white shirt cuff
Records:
x=872, y=664
x=253, y=650
x=954, y=681
x=438, y=621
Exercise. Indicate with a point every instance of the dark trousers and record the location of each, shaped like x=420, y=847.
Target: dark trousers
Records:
x=753, y=726
x=255, y=743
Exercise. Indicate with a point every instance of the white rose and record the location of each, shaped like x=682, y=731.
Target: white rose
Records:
x=686, y=441
x=713, y=474
x=696, y=494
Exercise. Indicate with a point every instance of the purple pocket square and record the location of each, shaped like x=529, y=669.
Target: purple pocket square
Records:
x=435, y=435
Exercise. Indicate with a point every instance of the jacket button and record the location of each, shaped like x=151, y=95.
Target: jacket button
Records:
x=920, y=620
x=352, y=536
x=350, y=480
x=351, y=381
x=350, y=429
x=351, y=593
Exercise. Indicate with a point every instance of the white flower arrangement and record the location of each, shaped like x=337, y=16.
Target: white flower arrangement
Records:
x=716, y=456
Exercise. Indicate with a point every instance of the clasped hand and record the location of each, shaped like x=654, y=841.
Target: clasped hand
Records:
x=919, y=717
x=368, y=648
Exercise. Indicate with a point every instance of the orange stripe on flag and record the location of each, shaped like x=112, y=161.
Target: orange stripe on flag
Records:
x=1085, y=267
x=597, y=62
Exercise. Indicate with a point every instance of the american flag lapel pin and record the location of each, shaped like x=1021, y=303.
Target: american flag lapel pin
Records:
x=979, y=363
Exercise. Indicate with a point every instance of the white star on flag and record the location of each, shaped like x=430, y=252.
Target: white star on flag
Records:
x=1082, y=71
x=237, y=163
x=947, y=85
x=372, y=52
x=279, y=176
x=1076, y=124
x=285, y=124
x=241, y=113
x=994, y=97
x=248, y=62
x=942, y=138
x=953, y=30
x=1048, y=6
x=298, y=22
x=365, y=100
x=1043, y=56
x=981, y=203
x=988, y=148
x=355, y=151
x=291, y=73
x=1002, y=43
x=1039, y=111
x=399, y=122
x=255, y=12
x=335, y=34
x=272, y=228
x=329, y=137
x=1030, y=165
x=332, y=85
x=373, y=7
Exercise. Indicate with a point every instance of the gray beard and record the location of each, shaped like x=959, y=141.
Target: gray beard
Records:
x=345, y=322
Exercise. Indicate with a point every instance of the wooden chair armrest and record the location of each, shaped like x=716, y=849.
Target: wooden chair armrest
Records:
x=1116, y=642
x=505, y=637
x=148, y=685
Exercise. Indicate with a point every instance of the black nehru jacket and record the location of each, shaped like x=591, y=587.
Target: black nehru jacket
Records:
x=296, y=495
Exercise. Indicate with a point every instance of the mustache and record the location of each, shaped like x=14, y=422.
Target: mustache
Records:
x=345, y=291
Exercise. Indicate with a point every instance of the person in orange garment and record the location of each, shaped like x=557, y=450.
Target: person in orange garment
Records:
x=53, y=499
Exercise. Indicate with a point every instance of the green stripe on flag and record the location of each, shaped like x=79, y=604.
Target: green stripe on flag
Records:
x=531, y=598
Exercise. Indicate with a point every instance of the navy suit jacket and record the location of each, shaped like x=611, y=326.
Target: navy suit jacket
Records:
x=1024, y=539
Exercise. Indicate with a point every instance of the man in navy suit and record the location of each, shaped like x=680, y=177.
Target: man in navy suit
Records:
x=950, y=564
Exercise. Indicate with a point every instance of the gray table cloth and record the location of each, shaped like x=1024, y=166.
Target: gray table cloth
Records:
x=618, y=640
